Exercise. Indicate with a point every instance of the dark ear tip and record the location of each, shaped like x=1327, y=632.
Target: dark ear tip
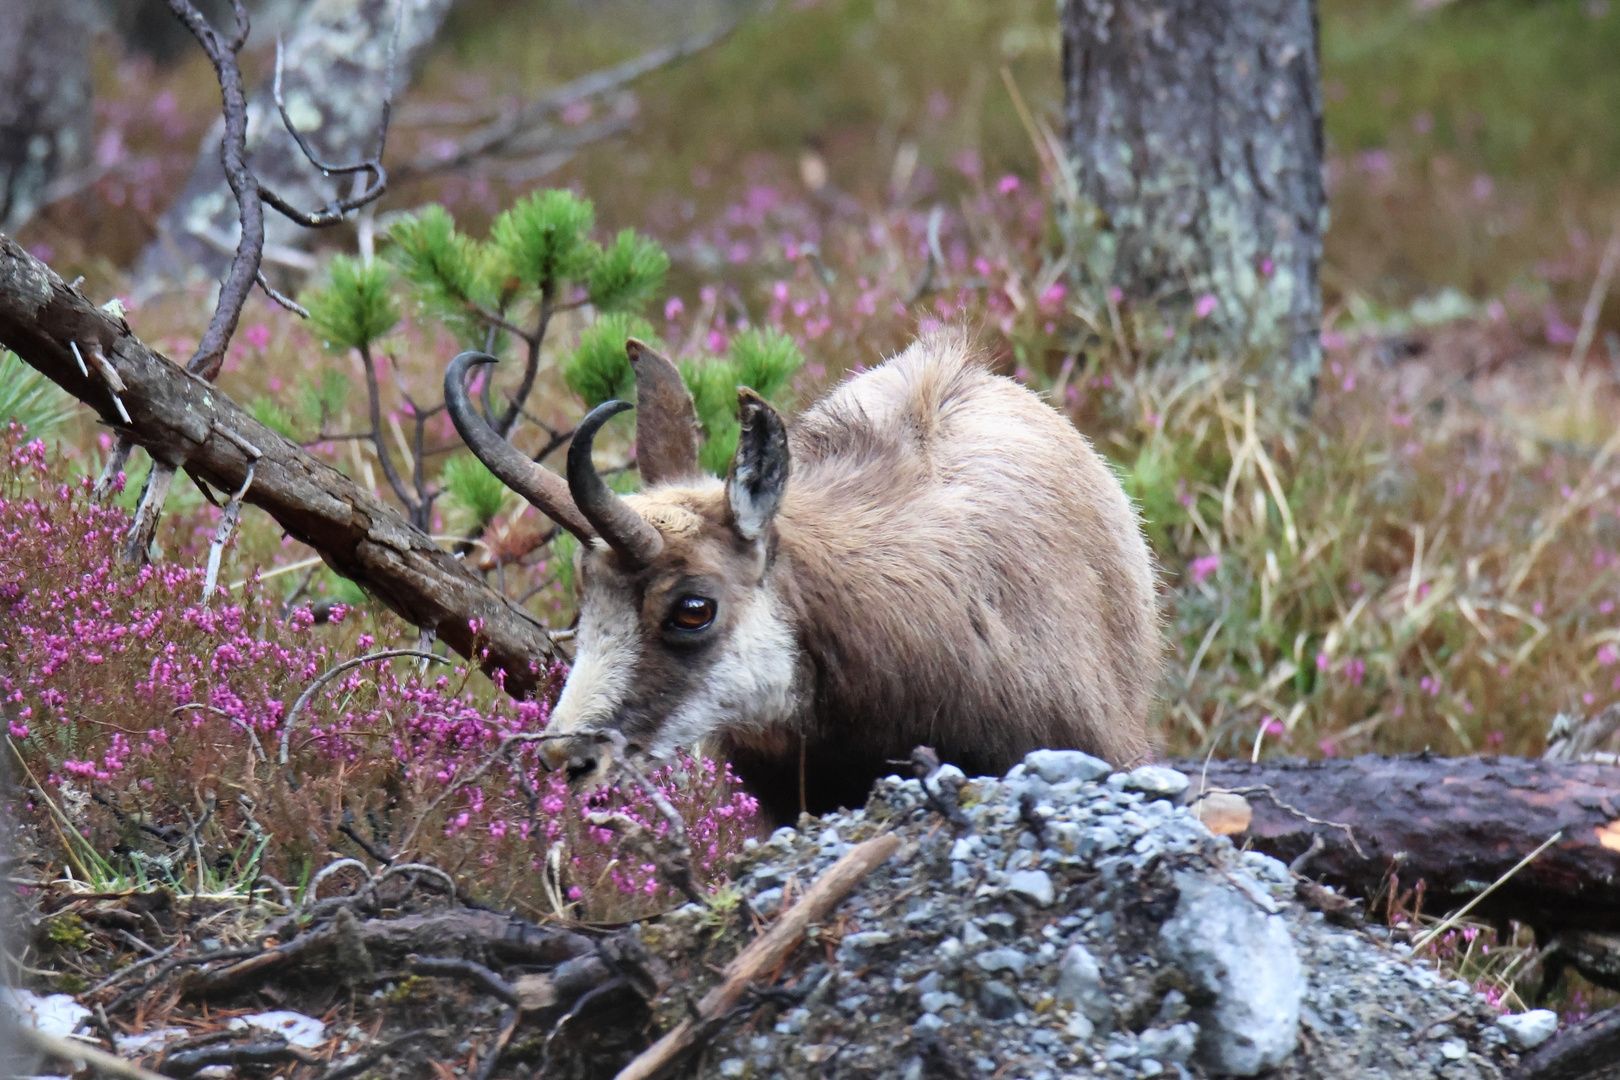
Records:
x=750, y=402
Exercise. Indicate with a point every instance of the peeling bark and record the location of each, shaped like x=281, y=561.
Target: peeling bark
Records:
x=45, y=118
x=336, y=63
x=182, y=420
x=1195, y=128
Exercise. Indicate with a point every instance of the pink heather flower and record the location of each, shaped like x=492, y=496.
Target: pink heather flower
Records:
x=673, y=307
x=1272, y=726
x=1267, y=266
x=1007, y=184
x=257, y=335
x=1607, y=654
x=1203, y=566
x=1322, y=661
x=1115, y=294
x=1206, y=305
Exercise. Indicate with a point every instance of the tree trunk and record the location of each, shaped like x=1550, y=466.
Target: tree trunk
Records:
x=1454, y=824
x=45, y=128
x=186, y=422
x=334, y=83
x=1195, y=128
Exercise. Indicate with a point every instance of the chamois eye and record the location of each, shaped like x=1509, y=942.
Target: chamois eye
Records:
x=692, y=613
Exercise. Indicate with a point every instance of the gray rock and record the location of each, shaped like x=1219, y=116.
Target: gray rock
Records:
x=1003, y=960
x=856, y=947
x=733, y=1067
x=1528, y=1030
x=1101, y=838
x=1063, y=837
x=1034, y=885
x=1080, y=987
x=1245, y=964
x=767, y=903
x=937, y=1001
x=1172, y=1045
x=997, y=1001
x=1079, y=1028
x=1156, y=781
x=1056, y=766
x=972, y=936
x=1001, y=925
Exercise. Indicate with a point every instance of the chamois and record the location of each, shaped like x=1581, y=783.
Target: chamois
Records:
x=931, y=555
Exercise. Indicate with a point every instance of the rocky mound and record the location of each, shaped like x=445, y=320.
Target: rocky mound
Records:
x=1068, y=921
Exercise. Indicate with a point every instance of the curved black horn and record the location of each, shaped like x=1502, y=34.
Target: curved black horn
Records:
x=544, y=489
x=626, y=531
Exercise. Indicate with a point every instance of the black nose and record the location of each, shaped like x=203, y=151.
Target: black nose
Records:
x=581, y=766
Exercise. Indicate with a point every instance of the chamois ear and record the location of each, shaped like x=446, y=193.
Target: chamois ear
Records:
x=666, y=420
x=759, y=472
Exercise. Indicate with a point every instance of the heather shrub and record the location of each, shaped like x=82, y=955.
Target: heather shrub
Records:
x=149, y=725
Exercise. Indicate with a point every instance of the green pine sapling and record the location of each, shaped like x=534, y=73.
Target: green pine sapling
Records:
x=538, y=260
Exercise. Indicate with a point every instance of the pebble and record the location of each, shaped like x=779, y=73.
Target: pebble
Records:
x=1003, y=960
x=1156, y=781
x=997, y=1001
x=1528, y=1030
x=1034, y=885
x=1057, y=766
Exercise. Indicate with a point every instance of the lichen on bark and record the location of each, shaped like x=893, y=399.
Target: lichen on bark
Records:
x=1196, y=130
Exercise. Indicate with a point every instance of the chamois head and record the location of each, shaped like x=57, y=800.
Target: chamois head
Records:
x=679, y=638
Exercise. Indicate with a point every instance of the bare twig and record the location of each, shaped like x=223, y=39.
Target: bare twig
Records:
x=765, y=954
x=222, y=534
x=468, y=970
x=1268, y=792
x=361, y=1062
x=671, y=853
x=246, y=261
x=72, y=1050
x=1452, y=919
x=1594, y=299
x=505, y=134
x=332, y=673
x=285, y=301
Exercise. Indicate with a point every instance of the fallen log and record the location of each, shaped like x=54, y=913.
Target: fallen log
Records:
x=1457, y=825
x=186, y=422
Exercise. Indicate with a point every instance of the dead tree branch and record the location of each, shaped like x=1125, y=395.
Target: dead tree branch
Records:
x=507, y=134
x=179, y=418
x=244, y=272
x=764, y=955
